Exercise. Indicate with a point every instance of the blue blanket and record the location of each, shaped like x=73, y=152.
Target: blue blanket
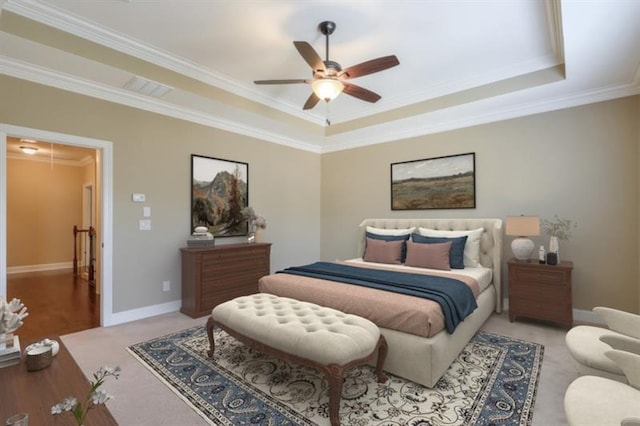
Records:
x=454, y=297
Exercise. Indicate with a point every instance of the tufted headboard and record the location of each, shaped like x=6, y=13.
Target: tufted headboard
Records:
x=490, y=242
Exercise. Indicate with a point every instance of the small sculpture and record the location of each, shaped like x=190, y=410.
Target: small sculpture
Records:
x=11, y=315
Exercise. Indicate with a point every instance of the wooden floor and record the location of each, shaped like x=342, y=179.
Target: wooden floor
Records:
x=57, y=302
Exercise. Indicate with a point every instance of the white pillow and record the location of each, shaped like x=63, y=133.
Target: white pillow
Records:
x=471, y=247
x=381, y=231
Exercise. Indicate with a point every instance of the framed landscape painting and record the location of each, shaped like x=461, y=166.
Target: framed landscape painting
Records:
x=434, y=183
x=219, y=192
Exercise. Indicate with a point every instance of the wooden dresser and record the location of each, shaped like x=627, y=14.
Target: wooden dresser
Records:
x=214, y=275
x=540, y=291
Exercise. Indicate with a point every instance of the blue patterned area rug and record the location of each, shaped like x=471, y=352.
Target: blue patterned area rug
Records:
x=492, y=382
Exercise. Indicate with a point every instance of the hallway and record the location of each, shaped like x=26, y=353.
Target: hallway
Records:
x=57, y=302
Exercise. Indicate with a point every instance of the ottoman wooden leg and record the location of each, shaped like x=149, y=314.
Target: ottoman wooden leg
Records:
x=382, y=355
x=335, y=374
x=210, y=324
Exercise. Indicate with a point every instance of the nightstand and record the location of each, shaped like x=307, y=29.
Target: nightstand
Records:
x=540, y=291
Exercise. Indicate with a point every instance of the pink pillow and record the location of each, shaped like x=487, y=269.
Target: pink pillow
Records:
x=381, y=251
x=434, y=256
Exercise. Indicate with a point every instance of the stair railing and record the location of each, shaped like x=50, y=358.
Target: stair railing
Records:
x=83, y=238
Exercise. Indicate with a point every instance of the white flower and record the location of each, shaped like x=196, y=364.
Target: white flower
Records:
x=94, y=396
x=100, y=397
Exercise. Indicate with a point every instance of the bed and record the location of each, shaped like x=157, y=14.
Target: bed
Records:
x=421, y=355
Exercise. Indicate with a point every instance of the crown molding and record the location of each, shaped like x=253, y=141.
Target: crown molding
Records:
x=57, y=18
x=25, y=71
x=494, y=115
x=357, y=139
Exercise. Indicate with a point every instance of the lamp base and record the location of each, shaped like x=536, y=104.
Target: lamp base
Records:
x=522, y=248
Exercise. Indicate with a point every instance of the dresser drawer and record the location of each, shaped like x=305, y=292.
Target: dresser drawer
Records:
x=540, y=276
x=214, y=275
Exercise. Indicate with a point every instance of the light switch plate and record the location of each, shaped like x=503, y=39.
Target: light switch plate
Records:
x=138, y=198
x=146, y=211
x=145, y=224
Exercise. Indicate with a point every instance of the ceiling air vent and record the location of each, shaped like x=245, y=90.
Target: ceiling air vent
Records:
x=147, y=87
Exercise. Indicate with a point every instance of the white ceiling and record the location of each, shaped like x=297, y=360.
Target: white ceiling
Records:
x=461, y=62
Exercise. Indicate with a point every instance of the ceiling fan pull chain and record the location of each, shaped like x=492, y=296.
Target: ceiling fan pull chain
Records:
x=327, y=120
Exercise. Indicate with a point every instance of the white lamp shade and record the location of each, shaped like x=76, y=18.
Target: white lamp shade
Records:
x=327, y=89
x=523, y=226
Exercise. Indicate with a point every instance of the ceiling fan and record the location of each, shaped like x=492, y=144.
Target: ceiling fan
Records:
x=329, y=79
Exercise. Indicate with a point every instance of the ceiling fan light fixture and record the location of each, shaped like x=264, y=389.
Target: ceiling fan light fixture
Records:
x=327, y=89
x=29, y=150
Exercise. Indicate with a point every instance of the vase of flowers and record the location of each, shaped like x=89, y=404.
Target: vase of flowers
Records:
x=257, y=224
x=80, y=409
x=557, y=229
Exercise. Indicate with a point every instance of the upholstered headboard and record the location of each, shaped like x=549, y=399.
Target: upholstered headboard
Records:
x=490, y=242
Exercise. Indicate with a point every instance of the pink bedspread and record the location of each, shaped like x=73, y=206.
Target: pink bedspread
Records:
x=394, y=311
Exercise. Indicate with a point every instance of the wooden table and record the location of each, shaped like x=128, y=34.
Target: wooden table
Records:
x=35, y=392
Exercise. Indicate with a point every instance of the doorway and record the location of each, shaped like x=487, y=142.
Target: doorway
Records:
x=101, y=190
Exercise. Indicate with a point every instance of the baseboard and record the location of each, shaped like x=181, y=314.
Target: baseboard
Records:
x=579, y=315
x=142, y=313
x=39, y=268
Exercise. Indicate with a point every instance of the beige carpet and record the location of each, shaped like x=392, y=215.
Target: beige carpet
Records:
x=140, y=399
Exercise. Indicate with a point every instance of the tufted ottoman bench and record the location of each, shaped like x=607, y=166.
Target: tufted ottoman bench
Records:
x=302, y=333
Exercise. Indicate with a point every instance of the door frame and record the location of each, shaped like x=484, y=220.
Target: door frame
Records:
x=106, y=212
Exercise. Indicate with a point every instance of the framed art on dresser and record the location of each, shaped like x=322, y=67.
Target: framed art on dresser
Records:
x=434, y=183
x=219, y=192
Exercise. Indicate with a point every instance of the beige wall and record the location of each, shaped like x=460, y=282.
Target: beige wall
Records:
x=580, y=163
x=152, y=156
x=43, y=205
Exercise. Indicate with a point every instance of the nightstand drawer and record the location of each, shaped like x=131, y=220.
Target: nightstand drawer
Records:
x=540, y=276
x=546, y=294
x=561, y=314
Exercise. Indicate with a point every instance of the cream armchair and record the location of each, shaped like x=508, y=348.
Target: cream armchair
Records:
x=589, y=352
x=592, y=400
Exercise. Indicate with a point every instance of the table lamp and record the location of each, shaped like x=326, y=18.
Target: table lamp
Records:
x=522, y=227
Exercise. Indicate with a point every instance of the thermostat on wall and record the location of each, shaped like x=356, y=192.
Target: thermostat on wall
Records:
x=138, y=198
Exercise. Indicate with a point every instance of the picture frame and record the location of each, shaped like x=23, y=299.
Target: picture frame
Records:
x=447, y=182
x=219, y=193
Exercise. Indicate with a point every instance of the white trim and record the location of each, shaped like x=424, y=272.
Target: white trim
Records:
x=106, y=147
x=58, y=161
x=3, y=212
x=39, y=268
x=488, y=115
x=25, y=71
x=145, y=312
x=63, y=20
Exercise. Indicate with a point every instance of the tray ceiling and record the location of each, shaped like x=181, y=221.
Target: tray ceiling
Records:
x=461, y=63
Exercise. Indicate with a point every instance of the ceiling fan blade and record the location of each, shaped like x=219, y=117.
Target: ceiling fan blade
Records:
x=282, y=81
x=369, y=67
x=309, y=55
x=360, y=93
x=311, y=102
